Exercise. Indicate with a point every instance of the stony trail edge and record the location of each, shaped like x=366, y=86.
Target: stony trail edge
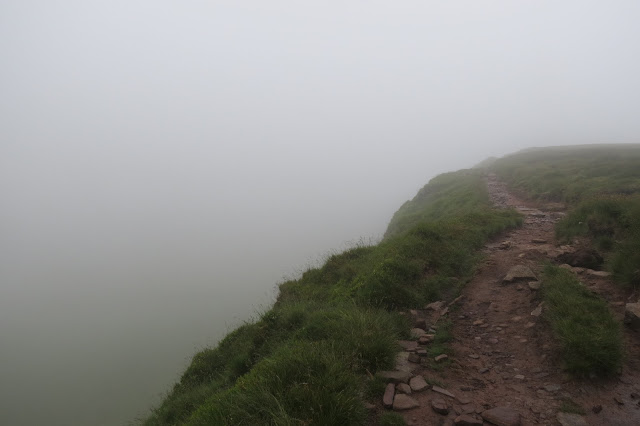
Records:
x=504, y=368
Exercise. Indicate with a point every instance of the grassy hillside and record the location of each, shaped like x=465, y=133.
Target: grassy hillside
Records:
x=601, y=186
x=310, y=358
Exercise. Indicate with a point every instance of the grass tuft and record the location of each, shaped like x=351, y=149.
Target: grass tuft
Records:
x=590, y=337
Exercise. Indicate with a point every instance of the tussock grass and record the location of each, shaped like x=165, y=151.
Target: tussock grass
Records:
x=589, y=335
x=613, y=224
x=310, y=358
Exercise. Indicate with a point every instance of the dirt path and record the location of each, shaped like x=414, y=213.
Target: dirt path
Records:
x=503, y=352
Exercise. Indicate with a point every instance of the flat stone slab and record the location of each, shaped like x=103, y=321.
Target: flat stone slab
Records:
x=395, y=376
x=408, y=345
x=418, y=383
x=404, y=402
x=502, y=416
x=417, y=332
x=442, y=391
x=519, y=273
x=387, y=398
x=568, y=419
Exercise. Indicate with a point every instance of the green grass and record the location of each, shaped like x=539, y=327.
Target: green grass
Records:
x=310, y=358
x=391, y=419
x=573, y=173
x=601, y=186
x=589, y=336
x=613, y=224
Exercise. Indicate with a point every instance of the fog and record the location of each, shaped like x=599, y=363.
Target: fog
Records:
x=164, y=164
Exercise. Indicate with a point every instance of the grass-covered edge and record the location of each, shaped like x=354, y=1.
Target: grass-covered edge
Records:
x=311, y=358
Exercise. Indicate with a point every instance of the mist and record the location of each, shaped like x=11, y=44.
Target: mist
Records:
x=164, y=164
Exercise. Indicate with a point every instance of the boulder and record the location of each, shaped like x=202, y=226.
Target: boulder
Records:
x=502, y=416
x=583, y=257
x=632, y=315
x=404, y=402
x=519, y=273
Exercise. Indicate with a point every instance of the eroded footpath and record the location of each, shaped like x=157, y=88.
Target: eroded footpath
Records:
x=504, y=368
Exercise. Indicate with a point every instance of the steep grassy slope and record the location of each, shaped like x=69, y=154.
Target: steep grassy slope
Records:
x=308, y=360
x=600, y=184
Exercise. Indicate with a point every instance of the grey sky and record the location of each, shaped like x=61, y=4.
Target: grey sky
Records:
x=164, y=163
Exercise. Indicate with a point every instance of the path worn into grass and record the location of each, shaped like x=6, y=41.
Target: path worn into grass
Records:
x=504, y=355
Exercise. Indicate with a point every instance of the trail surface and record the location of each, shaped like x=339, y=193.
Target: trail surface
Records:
x=503, y=352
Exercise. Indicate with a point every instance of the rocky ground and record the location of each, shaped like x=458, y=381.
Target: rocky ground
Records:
x=505, y=368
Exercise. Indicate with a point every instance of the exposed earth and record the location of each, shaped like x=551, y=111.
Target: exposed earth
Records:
x=505, y=367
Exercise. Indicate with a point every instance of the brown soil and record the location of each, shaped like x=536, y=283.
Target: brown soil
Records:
x=504, y=356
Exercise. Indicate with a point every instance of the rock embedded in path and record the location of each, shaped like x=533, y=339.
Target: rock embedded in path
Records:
x=404, y=402
x=408, y=345
x=569, y=419
x=403, y=388
x=395, y=376
x=502, y=416
x=519, y=273
x=534, y=285
x=418, y=383
x=435, y=306
x=417, y=332
x=387, y=398
x=439, y=390
x=632, y=315
x=467, y=420
x=439, y=405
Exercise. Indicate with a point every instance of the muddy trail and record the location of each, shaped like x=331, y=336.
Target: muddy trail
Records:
x=505, y=367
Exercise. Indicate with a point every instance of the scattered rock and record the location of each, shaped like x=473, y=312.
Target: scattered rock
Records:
x=493, y=340
x=403, y=388
x=518, y=377
x=502, y=416
x=418, y=383
x=596, y=408
x=442, y=391
x=519, y=273
x=441, y=357
x=435, y=306
x=404, y=402
x=474, y=356
x=417, y=332
x=395, y=376
x=478, y=322
x=583, y=257
x=414, y=357
x=483, y=370
x=369, y=406
x=467, y=420
x=534, y=285
x=426, y=339
x=552, y=388
x=504, y=245
x=538, y=241
x=420, y=323
x=387, y=398
x=618, y=400
x=569, y=419
x=408, y=345
x=602, y=274
x=440, y=406
x=632, y=315
x=537, y=311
